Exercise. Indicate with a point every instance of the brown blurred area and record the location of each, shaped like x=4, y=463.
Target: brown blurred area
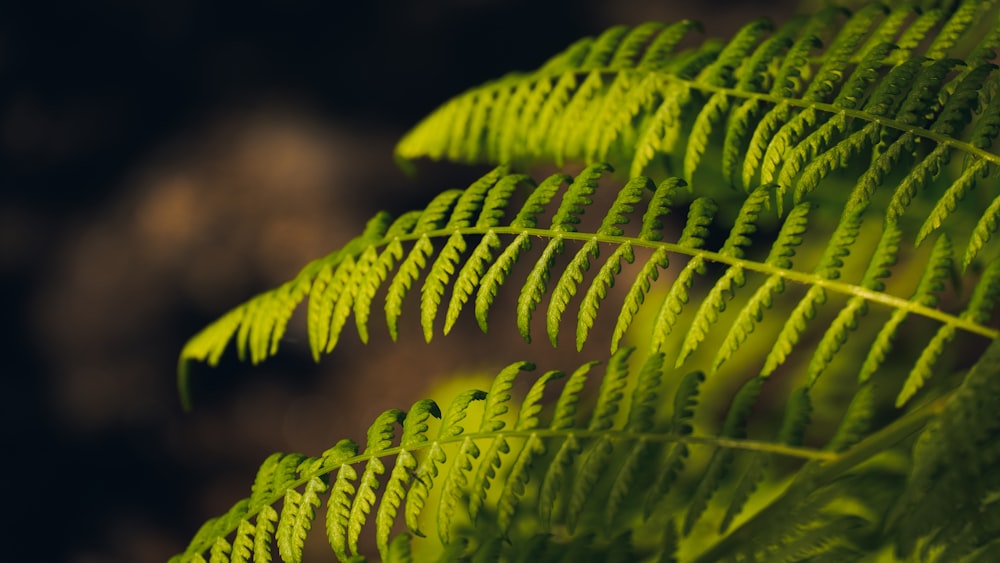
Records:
x=160, y=162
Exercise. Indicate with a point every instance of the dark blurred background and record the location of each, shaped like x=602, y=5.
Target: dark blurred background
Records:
x=162, y=161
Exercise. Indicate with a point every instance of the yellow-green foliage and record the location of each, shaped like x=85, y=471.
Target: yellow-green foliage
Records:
x=812, y=203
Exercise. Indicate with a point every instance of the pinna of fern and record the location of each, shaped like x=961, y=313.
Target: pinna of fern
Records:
x=461, y=241
x=624, y=440
x=886, y=89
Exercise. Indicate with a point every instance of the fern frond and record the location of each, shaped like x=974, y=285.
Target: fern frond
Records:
x=347, y=280
x=471, y=273
x=793, y=110
x=338, y=515
x=297, y=514
x=577, y=440
x=598, y=291
x=871, y=132
x=437, y=278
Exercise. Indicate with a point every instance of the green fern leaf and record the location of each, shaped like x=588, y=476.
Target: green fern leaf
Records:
x=884, y=101
x=662, y=133
x=263, y=534
x=380, y=437
x=326, y=290
x=296, y=519
x=527, y=420
x=834, y=126
x=659, y=206
x=377, y=274
x=414, y=434
x=942, y=495
x=651, y=230
x=598, y=291
x=497, y=198
x=469, y=276
x=786, y=84
x=409, y=269
x=829, y=267
x=755, y=79
x=566, y=287
x=328, y=284
x=220, y=551
x=954, y=115
x=472, y=272
x=953, y=30
x=535, y=286
x=515, y=484
x=720, y=74
x=948, y=202
x=637, y=294
x=983, y=232
x=496, y=275
x=338, y=515
x=416, y=261
x=360, y=271
x=262, y=491
x=471, y=201
x=426, y=473
x=437, y=278
x=830, y=73
x=455, y=484
x=879, y=139
x=576, y=199
x=496, y=406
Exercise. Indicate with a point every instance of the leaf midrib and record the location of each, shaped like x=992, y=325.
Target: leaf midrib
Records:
x=808, y=279
x=825, y=107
